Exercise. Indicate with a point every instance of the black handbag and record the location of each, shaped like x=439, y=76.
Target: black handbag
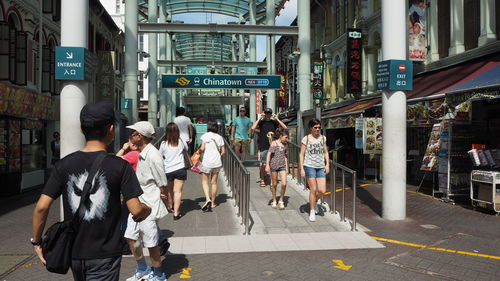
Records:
x=57, y=242
x=188, y=163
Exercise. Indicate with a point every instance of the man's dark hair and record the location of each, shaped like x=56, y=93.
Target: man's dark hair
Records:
x=180, y=111
x=96, y=132
x=212, y=127
x=314, y=122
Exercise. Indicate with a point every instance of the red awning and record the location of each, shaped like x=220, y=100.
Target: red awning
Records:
x=355, y=107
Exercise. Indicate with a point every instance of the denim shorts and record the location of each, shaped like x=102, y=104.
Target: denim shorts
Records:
x=263, y=157
x=278, y=170
x=314, y=172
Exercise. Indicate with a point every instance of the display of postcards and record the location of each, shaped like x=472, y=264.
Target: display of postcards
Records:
x=474, y=156
x=482, y=158
x=489, y=158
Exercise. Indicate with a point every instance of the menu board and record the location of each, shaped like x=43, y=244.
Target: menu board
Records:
x=372, y=135
x=358, y=133
x=431, y=156
x=24, y=103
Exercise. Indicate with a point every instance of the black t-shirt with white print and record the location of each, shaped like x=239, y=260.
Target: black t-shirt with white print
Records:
x=99, y=235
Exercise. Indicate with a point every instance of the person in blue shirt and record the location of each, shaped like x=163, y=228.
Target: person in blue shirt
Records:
x=239, y=134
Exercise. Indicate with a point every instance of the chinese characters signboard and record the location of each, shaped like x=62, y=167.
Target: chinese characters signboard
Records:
x=317, y=83
x=395, y=75
x=354, y=51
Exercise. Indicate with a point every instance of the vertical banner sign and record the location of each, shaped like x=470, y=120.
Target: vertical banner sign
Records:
x=358, y=133
x=317, y=84
x=258, y=100
x=417, y=30
x=354, y=51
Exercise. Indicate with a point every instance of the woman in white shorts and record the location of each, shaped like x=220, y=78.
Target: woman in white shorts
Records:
x=212, y=147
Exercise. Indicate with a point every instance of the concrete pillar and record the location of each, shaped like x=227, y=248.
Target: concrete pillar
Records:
x=74, y=30
x=457, y=27
x=434, y=31
x=153, y=66
x=241, y=56
x=304, y=65
x=170, y=93
x=131, y=64
x=271, y=65
x=371, y=69
x=163, y=55
x=394, y=46
x=488, y=24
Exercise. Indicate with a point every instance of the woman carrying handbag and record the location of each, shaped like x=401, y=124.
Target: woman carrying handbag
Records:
x=212, y=147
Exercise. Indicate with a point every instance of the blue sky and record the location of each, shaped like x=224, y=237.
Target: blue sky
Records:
x=286, y=17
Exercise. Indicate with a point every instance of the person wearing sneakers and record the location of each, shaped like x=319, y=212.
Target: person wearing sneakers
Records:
x=314, y=164
x=268, y=122
x=277, y=165
x=151, y=175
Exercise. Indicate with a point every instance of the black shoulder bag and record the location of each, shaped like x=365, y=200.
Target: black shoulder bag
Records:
x=57, y=243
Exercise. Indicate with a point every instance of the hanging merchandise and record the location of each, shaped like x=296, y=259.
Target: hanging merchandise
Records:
x=430, y=161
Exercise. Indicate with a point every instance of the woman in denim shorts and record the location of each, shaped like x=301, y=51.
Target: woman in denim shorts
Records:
x=277, y=165
x=315, y=164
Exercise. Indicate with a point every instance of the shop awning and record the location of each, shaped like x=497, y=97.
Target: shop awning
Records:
x=487, y=77
x=354, y=108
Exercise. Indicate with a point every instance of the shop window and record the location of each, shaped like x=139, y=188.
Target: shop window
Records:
x=21, y=58
x=46, y=69
x=346, y=15
x=47, y=6
x=56, y=13
x=337, y=18
x=443, y=27
x=4, y=50
x=472, y=23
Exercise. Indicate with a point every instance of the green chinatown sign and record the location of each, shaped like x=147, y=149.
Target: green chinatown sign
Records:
x=221, y=81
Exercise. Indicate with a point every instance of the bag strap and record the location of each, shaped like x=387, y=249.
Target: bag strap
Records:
x=80, y=212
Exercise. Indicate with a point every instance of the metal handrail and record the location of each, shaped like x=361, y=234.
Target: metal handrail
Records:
x=294, y=170
x=238, y=179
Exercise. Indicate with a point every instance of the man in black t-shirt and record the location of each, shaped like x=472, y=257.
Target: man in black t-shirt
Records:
x=97, y=248
x=268, y=122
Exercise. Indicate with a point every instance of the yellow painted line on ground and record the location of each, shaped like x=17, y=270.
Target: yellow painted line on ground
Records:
x=186, y=273
x=435, y=249
x=421, y=194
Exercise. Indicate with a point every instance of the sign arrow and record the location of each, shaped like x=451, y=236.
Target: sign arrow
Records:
x=341, y=265
x=69, y=55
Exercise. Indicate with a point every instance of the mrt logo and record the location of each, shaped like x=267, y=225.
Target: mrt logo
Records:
x=182, y=81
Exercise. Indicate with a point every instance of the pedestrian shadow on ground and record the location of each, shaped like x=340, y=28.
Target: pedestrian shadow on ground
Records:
x=306, y=209
x=367, y=198
x=167, y=233
x=285, y=199
x=176, y=264
x=18, y=201
x=189, y=205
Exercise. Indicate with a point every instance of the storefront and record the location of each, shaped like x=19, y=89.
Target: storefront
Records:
x=23, y=139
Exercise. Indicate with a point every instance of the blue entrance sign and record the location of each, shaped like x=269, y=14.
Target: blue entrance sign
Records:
x=221, y=81
x=72, y=63
x=395, y=75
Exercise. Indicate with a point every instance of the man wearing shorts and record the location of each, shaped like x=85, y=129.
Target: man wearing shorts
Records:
x=151, y=176
x=268, y=122
x=239, y=134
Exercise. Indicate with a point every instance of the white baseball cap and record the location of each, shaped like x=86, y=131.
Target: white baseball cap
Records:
x=144, y=128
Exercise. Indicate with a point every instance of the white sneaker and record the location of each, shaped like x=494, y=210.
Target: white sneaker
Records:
x=312, y=216
x=274, y=205
x=140, y=275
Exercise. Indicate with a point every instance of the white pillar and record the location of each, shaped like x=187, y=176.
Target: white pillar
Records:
x=434, y=31
x=253, y=57
x=304, y=65
x=153, y=66
x=74, y=33
x=488, y=24
x=457, y=26
x=394, y=46
x=170, y=92
x=131, y=64
x=241, y=56
x=270, y=20
x=163, y=55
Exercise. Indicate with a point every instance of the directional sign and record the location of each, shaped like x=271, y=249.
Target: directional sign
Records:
x=72, y=63
x=247, y=70
x=395, y=75
x=221, y=81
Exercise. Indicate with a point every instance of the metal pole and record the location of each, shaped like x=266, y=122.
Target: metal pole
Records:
x=343, y=195
x=253, y=57
x=394, y=46
x=153, y=66
x=74, y=30
x=354, y=188
x=163, y=56
x=270, y=20
x=170, y=92
x=304, y=65
x=131, y=64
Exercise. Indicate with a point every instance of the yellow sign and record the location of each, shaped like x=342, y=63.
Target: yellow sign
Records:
x=341, y=265
x=186, y=273
x=182, y=81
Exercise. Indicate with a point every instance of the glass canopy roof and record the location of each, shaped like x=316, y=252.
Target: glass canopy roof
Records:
x=204, y=46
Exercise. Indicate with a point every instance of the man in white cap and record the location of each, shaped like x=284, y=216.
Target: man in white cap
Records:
x=151, y=176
